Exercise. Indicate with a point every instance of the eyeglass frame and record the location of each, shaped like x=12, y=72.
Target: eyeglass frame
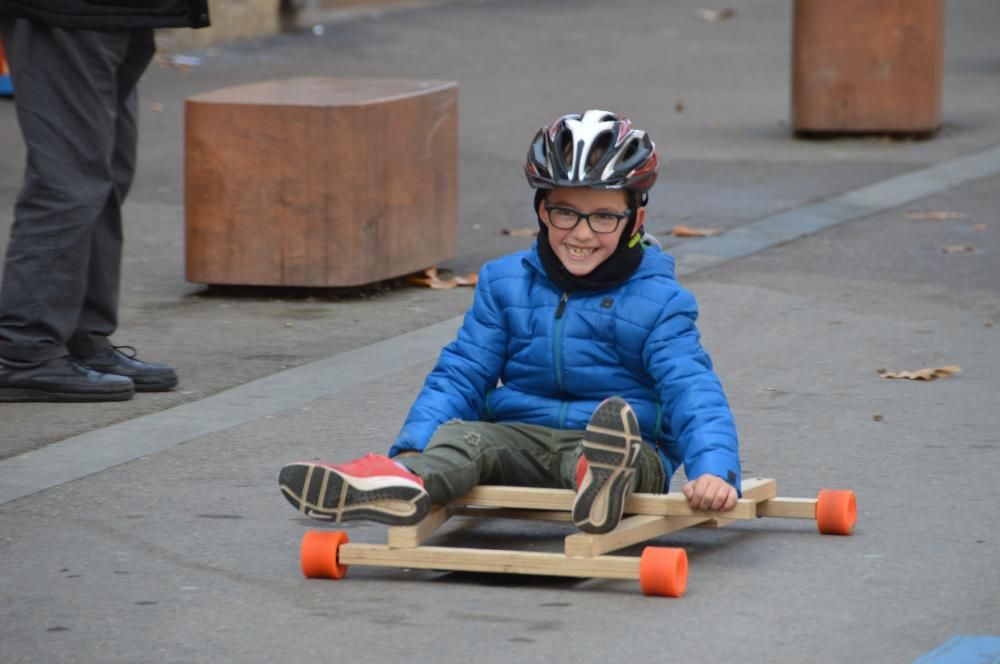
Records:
x=580, y=216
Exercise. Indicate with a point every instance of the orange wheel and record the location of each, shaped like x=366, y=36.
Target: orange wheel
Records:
x=319, y=554
x=663, y=571
x=836, y=512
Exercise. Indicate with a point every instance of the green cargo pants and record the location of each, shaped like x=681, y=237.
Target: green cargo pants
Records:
x=463, y=454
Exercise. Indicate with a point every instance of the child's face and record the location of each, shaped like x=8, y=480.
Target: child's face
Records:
x=580, y=249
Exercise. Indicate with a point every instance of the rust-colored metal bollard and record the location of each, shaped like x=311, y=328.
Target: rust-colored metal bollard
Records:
x=860, y=66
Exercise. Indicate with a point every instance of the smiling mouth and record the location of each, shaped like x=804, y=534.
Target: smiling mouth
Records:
x=579, y=252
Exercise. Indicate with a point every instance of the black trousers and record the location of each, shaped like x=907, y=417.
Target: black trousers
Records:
x=77, y=107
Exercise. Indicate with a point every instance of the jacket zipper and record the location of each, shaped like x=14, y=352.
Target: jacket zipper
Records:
x=562, y=305
x=557, y=339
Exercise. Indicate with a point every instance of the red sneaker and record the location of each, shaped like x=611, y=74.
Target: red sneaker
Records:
x=606, y=470
x=372, y=488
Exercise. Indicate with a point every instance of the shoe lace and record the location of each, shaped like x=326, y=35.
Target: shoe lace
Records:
x=131, y=351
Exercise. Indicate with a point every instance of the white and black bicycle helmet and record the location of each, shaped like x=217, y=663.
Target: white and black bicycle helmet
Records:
x=597, y=149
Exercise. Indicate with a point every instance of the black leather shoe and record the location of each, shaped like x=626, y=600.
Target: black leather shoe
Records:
x=61, y=379
x=147, y=376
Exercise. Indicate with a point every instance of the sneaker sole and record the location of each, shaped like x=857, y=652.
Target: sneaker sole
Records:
x=18, y=395
x=324, y=493
x=611, y=447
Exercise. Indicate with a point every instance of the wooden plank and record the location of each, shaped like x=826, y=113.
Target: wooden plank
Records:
x=501, y=513
x=489, y=560
x=631, y=530
x=788, y=508
x=401, y=537
x=759, y=488
x=677, y=505
x=755, y=489
x=518, y=498
x=671, y=504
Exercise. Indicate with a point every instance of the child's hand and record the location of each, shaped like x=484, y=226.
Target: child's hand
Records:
x=709, y=492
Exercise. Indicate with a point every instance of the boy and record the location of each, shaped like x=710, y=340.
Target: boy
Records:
x=578, y=365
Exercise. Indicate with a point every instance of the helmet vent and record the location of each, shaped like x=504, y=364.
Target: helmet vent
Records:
x=601, y=145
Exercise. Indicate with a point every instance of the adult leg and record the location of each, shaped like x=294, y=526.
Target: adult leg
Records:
x=98, y=317
x=90, y=343
x=66, y=86
x=66, y=105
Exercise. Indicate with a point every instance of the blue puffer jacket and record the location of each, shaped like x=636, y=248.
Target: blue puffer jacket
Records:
x=558, y=355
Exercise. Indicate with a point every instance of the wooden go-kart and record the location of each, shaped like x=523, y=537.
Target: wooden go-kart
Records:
x=660, y=570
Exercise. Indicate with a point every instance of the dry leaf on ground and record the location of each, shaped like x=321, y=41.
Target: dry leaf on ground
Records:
x=687, y=231
x=430, y=278
x=936, y=216
x=957, y=249
x=528, y=231
x=713, y=15
x=922, y=374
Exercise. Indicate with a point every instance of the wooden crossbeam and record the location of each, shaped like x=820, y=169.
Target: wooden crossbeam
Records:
x=788, y=508
x=753, y=489
x=759, y=488
x=671, y=504
x=631, y=530
x=502, y=513
x=518, y=498
x=401, y=537
x=489, y=560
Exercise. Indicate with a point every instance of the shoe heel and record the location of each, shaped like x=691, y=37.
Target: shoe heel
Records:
x=611, y=448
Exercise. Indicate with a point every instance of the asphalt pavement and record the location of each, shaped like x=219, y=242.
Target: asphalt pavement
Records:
x=153, y=530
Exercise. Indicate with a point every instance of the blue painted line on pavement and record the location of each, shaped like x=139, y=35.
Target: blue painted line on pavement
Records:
x=964, y=649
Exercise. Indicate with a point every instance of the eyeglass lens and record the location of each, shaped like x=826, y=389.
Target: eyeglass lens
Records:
x=599, y=222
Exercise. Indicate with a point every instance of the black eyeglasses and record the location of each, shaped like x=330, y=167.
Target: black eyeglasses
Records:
x=566, y=219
